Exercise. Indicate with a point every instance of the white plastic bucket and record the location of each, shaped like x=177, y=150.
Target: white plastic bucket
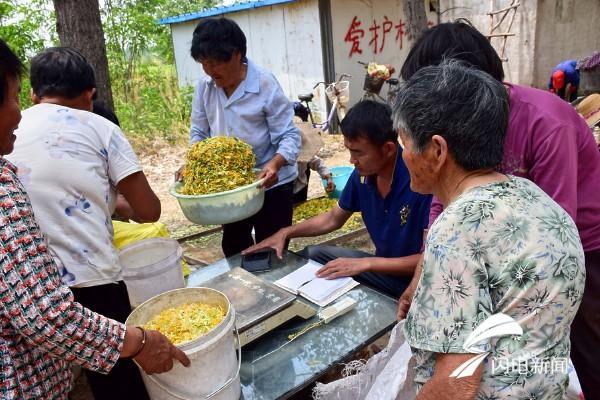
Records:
x=214, y=369
x=151, y=267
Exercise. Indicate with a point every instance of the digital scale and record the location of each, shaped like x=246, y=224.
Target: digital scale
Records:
x=260, y=306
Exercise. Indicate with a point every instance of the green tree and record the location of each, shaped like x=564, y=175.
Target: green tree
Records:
x=147, y=97
x=79, y=26
x=27, y=27
x=134, y=35
x=146, y=94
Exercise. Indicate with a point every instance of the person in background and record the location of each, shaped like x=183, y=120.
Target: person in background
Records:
x=301, y=182
x=237, y=98
x=42, y=329
x=379, y=189
x=548, y=143
x=564, y=80
x=72, y=163
x=501, y=246
x=307, y=161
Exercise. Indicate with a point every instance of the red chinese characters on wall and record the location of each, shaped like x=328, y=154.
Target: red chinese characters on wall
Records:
x=354, y=35
x=378, y=33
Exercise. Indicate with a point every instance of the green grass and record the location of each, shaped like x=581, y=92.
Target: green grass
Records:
x=152, y=106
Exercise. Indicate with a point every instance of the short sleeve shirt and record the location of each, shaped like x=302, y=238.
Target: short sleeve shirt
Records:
x=70, y=162
x=396, y=222
x=501, y=248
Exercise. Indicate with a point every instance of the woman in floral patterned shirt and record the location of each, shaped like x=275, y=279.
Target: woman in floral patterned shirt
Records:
x=42, y=330
x=500, y=246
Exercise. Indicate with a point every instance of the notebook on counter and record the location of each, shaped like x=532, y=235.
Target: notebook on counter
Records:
x=305, y=283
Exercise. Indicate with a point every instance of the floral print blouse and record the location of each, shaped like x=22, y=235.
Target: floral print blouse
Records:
x=501, y=248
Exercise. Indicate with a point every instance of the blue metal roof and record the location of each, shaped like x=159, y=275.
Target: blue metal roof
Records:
x=220, y=10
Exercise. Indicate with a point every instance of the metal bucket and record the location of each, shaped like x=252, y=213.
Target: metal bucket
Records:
x=214, y=370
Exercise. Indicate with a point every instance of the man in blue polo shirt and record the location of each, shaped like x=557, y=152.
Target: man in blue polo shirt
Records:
x=379, y=188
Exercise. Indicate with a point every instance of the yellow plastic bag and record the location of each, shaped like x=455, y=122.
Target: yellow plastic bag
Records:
x=126, y=233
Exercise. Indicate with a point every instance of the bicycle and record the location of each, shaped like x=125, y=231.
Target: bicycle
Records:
x=337, y=92
x=373, y=84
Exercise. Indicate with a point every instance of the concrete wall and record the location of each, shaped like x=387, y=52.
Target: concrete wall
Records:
x=520, y=49
x=567, y=29
x=355, y=24
x=284, y=39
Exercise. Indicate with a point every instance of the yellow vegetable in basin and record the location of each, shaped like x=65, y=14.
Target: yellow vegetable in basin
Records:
x=218, y=164
x=186, y=322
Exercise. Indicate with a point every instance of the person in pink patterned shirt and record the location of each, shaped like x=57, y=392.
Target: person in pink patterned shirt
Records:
x=548, y=143
x=42, y=330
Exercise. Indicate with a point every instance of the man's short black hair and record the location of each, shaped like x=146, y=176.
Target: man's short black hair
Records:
x=10, y=67
x=458, y=40
x=218, y=39
x=61, y=71
x=371, y=120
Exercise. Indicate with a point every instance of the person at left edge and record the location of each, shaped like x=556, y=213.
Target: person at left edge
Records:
x=43, y=331
x=237, y=98
x=72, y=163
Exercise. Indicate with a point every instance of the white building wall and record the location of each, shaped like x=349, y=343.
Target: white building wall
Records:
x=519, y=48
x=187, y=69
x=284, y=39
x=568, y=29
x=374, y=17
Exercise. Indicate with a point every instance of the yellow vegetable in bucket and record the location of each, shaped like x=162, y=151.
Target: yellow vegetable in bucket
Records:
x=186, y=322
x=218, y=164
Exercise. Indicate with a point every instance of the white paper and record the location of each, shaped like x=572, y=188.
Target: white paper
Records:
x=305, y=283
x=319, y=288
x=295, y=280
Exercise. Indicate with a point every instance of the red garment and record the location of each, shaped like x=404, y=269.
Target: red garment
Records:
x=558, y=80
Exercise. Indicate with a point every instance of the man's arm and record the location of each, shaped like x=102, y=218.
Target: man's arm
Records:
x=405, y=299
x=315, y=226
x=143, y=204
x=341, y=267
x=442, y=387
